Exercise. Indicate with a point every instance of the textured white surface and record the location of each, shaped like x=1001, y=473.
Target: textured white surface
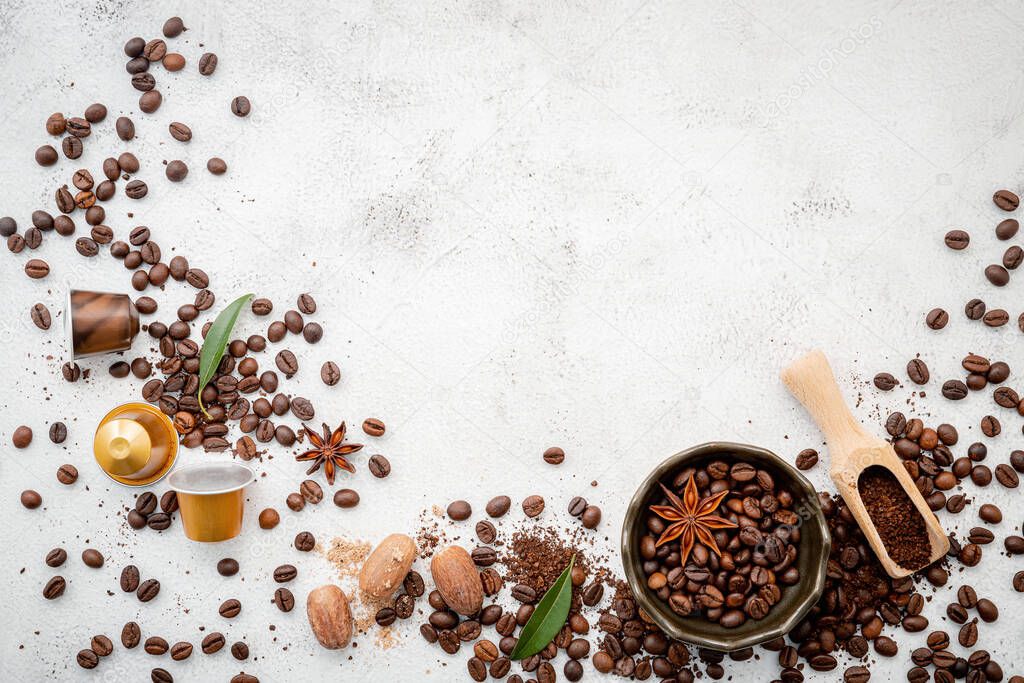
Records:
x=602, y=225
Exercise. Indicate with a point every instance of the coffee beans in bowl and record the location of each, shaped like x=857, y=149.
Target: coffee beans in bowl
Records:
x=725, y=545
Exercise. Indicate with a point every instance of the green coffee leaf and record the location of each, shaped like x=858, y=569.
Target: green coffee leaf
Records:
x=548, y=618
x=216, y=341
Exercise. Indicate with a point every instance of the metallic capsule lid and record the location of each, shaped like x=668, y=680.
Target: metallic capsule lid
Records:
x=122, y=447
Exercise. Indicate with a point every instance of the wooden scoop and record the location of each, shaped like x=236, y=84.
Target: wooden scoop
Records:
x=852, y=450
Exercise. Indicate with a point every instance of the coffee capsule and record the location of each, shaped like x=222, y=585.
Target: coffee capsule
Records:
x=211, y=499
x=135, y=444
x=99, y=322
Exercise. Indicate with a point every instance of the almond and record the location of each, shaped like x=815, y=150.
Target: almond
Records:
x=329, y=616
x=457, y=580
x=386, y=567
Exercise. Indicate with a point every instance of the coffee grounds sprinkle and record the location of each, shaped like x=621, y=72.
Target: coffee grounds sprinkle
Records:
x=898, y=522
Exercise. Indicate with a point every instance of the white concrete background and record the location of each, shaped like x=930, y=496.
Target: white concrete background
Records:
x=602, y=225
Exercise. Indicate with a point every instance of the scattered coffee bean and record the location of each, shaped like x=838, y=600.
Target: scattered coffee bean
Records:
x=92, y=558
x=957, y=239
x=1006, y=200
x=240, y=106
x=533, y=505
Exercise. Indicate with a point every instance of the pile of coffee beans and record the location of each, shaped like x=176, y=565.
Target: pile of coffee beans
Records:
x=238, y=376
x=529, y=562
x=144, y=514
x=403, y=605
x=755, y=560
x=858, y=602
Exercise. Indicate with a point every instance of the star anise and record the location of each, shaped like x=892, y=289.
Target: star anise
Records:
x=329, y=451
x=691, y=519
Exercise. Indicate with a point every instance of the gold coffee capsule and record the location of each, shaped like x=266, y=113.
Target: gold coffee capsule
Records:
x=135, y=444
x=211, y=499
x=99, y=322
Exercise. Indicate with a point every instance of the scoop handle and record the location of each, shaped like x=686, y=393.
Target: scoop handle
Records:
x=811, y=380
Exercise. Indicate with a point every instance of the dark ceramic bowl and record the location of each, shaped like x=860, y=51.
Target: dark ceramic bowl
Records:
x=812, y=559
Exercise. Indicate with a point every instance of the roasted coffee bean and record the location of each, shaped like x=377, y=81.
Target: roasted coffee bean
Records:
x=227, y=567
x=304, y=542
x=311, y=491
x=158, y=521
x=990, y=426
x=997, y=275
x=533, y=505
x=148, y=590
x=131, y=634
x=997, y=317
x=87, y=659
x=207, y=63
x=240, y=651
x=293, y=322
x=31, y=499
x=176, y=171
x=330, y=374
x=459, y=510
x=987, y=610
x=37, y=269
x=1006, y=397
x=1006, y=200
x=312, y=332
x=56, y=124
x=56, y=557
x=484, y=556
x=54, y=588
x=179, y=131
x=92, y=558
x=885, y=381
x=954, y=390
x=212, y=643
x=990, y=513
x=1013, y=257
x=385, y=616
x=807, y=459
x=78, y=127
x=975, y=309
x=554, y=456
x=968, y=635
x=229, y=609
x=40, y=315
x=269, y=518
x=155, y=645
x=136, y=189
x=46, y=155
x=524, y=593
x=379, y=466
x=373, y=427
x=917, y=371
x=956, y=613
x=499, y=505
x=71, y=146
x=180, y=651
x=71, y=372
x=286, y=362
x=591, y=517
x=577, y=505
x=130, y=578
x=486, y=531
x=240, y=106
x=1006, y=476
x=285, y=573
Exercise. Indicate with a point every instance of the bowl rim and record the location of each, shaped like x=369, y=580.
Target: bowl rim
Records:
x=673, y=627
